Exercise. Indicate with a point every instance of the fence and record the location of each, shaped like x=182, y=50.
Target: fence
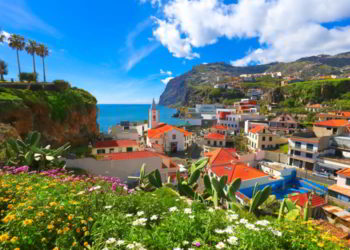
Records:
x=276, y=157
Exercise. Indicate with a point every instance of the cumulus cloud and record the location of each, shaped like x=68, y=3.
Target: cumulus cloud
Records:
x=286, y=29
x=155, y=3
x=163, y=72
x=166, y=80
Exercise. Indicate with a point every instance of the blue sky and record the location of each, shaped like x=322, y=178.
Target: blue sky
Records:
x=117, y=49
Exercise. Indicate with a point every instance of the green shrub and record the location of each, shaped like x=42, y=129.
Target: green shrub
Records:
x=62, y=85
x=29, y=77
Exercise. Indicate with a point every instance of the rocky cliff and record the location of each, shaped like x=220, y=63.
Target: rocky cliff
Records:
x=196, y=85
x=60, y=116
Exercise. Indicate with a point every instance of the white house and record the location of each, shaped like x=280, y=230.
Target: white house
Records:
x=341, y=190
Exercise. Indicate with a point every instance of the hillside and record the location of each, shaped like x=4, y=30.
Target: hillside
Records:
x=197, y=85
x=61, y=116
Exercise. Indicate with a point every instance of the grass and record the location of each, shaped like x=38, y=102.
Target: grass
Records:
x=284, y=148
x=55, y=210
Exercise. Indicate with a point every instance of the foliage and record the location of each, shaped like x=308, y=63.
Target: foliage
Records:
x=3, y=69
x=259, y=197
x=30, y=153
x=56, y=210
x=29, y=77
x=284, y=148
x=61, y=85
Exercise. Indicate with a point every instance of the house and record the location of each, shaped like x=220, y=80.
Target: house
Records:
x=221, y=129
x=246, y=106
x=315, y=107
x=115, y=146
x=341, y=190
x=126, y=164
x=170, y=138
x=305, y=148
x=215, y=140
x=334, y=115
x=284, y=123
x=260, y=138
x=331, y=128
x=302, y=198
x=123, y=133
x=249, y=124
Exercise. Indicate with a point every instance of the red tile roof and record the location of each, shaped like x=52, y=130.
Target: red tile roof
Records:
x=239, y=170
x=222, y=156
x=256, y=129
x=333, y=123
x=214, y=136
x=339, y=189
x=345, y=172
x=159, y=131
x=115, y=143
x=316, y=200
x=221, y=127
x=314, y=106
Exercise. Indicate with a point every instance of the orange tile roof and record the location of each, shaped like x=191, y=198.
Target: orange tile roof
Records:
x=333, y=123
x=221, y=127
x=239, y=170
x=316, y=200
x=345, y=172
x=314, y=106
x=256, y=129
x=159, y=131
x=116, y=143
x=339, y=189
x=222, y=156
x=214, y=136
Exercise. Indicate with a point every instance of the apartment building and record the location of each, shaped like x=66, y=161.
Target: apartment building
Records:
x=260, y=138
x=331, y=128
x=284, y=123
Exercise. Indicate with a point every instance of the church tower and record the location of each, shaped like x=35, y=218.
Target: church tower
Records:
x=153, y=116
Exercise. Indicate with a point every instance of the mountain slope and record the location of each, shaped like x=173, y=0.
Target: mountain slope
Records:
x=197, y=85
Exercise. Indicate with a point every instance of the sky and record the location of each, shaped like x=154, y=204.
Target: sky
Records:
x=126, y=51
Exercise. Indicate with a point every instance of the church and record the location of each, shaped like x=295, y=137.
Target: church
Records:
x=163, y=137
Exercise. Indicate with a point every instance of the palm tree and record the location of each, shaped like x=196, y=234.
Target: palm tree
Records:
x=17, y=42
x=43, y=52
x=2, y=38
x=3, y=70
x=31, y=49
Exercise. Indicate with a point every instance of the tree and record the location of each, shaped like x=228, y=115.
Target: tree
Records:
x=31, y=49
x=2, y=38
x=3, y=70
x=17, y=42
x=43, y=52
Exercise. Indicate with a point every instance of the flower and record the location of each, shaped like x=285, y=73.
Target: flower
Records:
x=108, y=207
x=233, y=240
x=191, y=216
x=232, y=217
x=219, y=231
x=130, y=246
x=251, y=227
x=111, y=241
x=220, y=245
x=94, y=188
x=50, y=226
x=140, y=222
x=120, y=242
x=172, y=209
x=140, y=213
x=70, y=217
x=177, y=248
x=188, y=211
x=196, y=243
x=50, y=158
x=243, y=221
x=128, y=215
x=86, y=244
x=14, y=239
x=211, y=210
x=185, y=242
x=27, y=222
x=56, y=248
x=262, y=222
x=52, y=204
x=154, y=217
x=4, y=237
x=229, y=230
x=277, y=233
x=10, y=206
x=74, y=244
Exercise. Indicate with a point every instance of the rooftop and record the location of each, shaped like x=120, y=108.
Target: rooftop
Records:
x=222, y=156
x=116, y=143
x=257, y=129
x=162, y=128
x=344, y=172
x=221, y=127
x=339, y=189
x=215, y=136
x=285, y=118
x=305, y=137
x=238, y=170
x=316, y=200
x=333, y=123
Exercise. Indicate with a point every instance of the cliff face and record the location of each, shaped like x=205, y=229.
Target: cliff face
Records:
x=68, y=116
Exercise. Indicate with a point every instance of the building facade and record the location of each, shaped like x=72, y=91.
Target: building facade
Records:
x=153, y=116
x=331, y=128
x=261, y=138
x=115, y=146
x=284, y=123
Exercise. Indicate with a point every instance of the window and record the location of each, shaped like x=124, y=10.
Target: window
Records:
x=310, y=147
x=101, y=151
x=335, y=130
x=111, y=150
x=270, y=139
x=214, y=143
x=154, y=118
x=174, y=137
x=263, y=138
x=347, y=182
x=329, y=128
x=263, y=146
x=156, y=142
x=308, y=155
x=129, y=149
x=208, y=143
x=220, y=143
x=296, y=152
x=297, y=144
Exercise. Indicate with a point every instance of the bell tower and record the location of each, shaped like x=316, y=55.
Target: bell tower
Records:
x=153, y=116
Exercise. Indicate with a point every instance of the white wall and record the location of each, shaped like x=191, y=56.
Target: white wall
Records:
x=180, y=139
x=341, y=181
x=195, y=122
x=139, y=128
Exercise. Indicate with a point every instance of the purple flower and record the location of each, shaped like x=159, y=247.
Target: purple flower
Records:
x=114, y=186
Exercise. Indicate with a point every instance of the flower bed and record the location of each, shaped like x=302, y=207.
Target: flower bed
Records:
x=57, y=210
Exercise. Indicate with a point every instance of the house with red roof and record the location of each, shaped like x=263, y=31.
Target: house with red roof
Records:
x=301, y=200
x=331, y=127
x=169, y=138
x=261, y=137
x=315, y=107
x=284, y=123
x=341, y=190
x=115, y=146
x=334, y=115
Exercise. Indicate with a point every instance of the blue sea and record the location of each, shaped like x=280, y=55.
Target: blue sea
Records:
x=112, y=114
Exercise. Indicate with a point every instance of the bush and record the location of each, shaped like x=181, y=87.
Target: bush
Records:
x=62, y=85
x=29, y=77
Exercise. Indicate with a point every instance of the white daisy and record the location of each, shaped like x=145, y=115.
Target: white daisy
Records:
x=172, y=209
x=220, y=245
x=188, y=211
x=110, y=240
x=154, y=217
x=140, y=213
x=233, y=240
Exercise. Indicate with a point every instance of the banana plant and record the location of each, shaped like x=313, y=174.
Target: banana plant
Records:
x=288, y=210
x=155, y=179
x=143, y=181
x=198, y=165
x=259, y=197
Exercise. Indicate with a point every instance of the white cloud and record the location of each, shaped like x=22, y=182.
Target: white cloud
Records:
x=169, y=73
x=286, y=29
x=166, y=80
x=16, y=14
x=134, y=56
x=155, y=3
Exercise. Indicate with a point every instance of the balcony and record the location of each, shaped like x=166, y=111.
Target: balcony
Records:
x=340, y=142
x=302, y=158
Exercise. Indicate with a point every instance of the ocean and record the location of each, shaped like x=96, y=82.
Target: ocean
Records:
x=112, y=114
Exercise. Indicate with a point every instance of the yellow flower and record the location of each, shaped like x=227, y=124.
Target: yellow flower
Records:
x=86, y=233
x=83, y=222
x=86, y=244
x=40, y=214
x=4, y=237
x=74, y=244
x=29, y=188
x=70, y=217
x=21, y=204
x=17, y=248
x=27, y=222
x=9, y=217
x=78, y=230
x=43, y=239
x=59, y=231
x=56, y=248
x=14, y=239
x=61, y=207
x=50, y=226
x=29, y=207
x=10, y=206
x=66, y=229
x=84, y=229
x=73, y=202
x=90, y=219
x=53, y=204
x=321, y=244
